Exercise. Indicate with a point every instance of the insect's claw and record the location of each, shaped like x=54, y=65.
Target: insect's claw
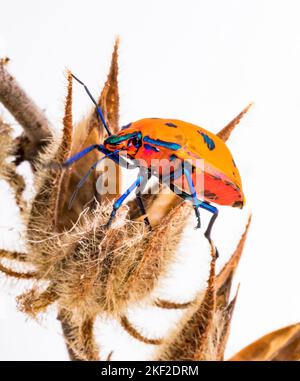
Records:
x=207, y=236
x=111, y=218
x=216, y=253
x=198, y=217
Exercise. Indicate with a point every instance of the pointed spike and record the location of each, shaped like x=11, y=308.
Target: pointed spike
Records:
x=224, y=278
x=109, y=98
x=67, y=120
x=225, y=133
x=228, y=312
x=63, y=153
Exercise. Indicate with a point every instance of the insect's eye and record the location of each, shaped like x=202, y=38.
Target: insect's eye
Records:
x=135, y=142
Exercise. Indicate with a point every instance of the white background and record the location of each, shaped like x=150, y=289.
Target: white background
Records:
x=200, y=61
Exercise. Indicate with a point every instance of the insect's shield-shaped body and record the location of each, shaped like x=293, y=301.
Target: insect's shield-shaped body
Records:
x=164, y=146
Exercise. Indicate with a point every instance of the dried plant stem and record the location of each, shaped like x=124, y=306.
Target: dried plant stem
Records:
x=13, y=255
x=125, y=323
x=166, y=304
x=36, y=126
x=16, y=274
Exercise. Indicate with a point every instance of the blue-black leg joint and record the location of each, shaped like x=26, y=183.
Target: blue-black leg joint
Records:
x=121, y=199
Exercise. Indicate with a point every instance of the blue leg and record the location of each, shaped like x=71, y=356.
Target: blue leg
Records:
x=79, y=155
x=121, y=199
x=201, y=204
x=112, y=155
x=139, y=200
x=86, y=176
x=196, y=202
x=82, y=181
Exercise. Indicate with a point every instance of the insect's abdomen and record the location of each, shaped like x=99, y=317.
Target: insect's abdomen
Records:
x=217, y=178
x=215, y=189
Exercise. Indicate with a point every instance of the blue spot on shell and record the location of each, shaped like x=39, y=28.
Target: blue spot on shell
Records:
x=162, y=143
x=171, y=125
x=208, y=141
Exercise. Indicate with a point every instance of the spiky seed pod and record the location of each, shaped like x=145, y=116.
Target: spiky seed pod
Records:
x=96, y=270
x=203, y=331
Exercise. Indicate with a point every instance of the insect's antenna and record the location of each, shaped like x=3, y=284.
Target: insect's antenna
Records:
x=99, y=111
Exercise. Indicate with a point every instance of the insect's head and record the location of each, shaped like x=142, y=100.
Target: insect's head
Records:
x=129, y=142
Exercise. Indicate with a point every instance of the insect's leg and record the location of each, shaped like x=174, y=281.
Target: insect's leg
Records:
x=215, y=212
x=139, y=199
x=196, y=202
x=202, y=204
x=81, y=183
x=120, y=200
x=77, y=156
x=141, y=206
x=86, y=176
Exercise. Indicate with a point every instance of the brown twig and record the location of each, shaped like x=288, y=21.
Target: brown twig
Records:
x=37, y=129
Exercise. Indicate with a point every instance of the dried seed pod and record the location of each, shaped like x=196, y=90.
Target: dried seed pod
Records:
x=204, y=330
x=105, y=271
x=280, y=345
